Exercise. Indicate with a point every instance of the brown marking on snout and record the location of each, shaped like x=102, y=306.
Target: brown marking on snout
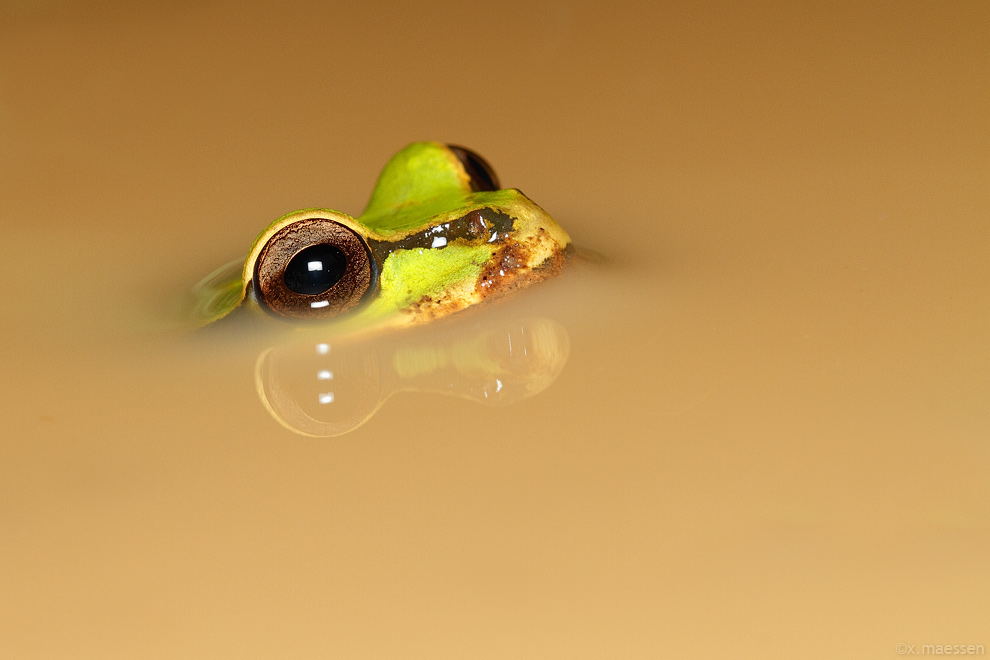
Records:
x=508, y=271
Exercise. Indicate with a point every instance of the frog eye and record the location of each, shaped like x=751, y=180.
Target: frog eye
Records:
x=312, y=269
x=482, y=174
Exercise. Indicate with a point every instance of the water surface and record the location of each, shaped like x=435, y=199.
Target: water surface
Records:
x=756, y=427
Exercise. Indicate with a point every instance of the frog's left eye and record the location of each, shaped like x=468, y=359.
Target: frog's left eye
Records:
x=314, y=268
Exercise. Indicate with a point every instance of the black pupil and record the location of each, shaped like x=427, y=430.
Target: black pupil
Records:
x=315, y=269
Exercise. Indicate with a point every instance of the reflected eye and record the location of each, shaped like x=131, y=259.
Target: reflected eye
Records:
x=482, y=174
x=313, y=269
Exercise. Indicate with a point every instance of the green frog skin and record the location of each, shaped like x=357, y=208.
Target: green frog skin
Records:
x=438, y=236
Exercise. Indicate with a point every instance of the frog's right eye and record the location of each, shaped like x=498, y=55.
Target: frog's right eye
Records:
x=314, y=268
x=481, y=174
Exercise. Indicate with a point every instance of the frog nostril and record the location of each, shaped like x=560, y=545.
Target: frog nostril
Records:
x=315, y=269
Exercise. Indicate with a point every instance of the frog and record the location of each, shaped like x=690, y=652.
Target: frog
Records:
x=439, y=235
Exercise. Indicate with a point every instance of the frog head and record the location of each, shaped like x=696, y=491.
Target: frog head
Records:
x=438, y=235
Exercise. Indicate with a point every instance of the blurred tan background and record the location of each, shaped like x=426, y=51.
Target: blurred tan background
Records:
x=771, y=436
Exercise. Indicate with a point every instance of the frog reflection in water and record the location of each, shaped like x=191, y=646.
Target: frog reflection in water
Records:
x=438, y=236
x=330, y=386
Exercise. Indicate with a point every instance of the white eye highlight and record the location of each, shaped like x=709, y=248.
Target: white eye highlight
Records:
x=326, y=398
x=324, y=375
x=439, y=241
x=320, y=303
x=315, y=265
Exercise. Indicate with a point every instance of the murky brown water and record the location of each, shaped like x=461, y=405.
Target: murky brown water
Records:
x=757, y=428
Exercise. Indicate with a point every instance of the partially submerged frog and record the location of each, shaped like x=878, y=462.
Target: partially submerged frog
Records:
x=439, y=235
